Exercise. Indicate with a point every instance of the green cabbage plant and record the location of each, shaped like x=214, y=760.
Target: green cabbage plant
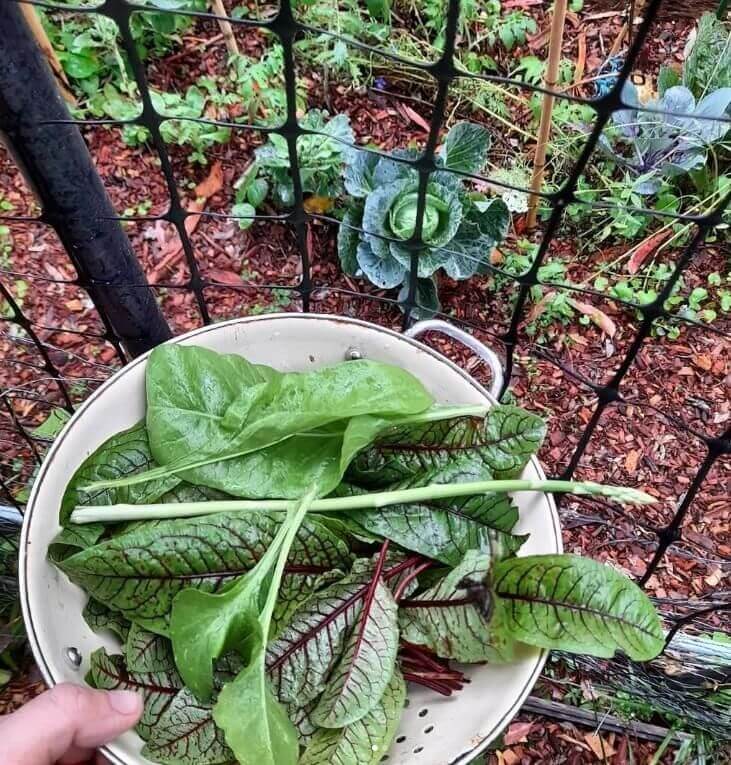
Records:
x=460, y=227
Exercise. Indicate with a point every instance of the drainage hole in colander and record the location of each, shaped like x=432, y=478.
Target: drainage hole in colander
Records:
x=428, y=729
x=400, y=739
x=418, y=749
x=423, y=712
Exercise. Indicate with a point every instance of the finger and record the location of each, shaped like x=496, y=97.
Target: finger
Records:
x=68, y=719
x=76, y=756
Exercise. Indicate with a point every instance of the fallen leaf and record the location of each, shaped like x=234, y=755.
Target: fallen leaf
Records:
x=601, y=748
x=212, y=184
x=580, y=58
x=704, y=361
x=699, y=539
x=578, y=339
x=416, y=118
x=224, y=277
x=621, y=758
x=596, y=315
x=517, y=732
x=56, y=273
x=507, y=757
x=539, y=307
x=74, y=305
x=174, y=248
x=643, y=250
x=714, y=578
x=316, y=205
x=571, y=740
x=631, y=460
x=719, y=367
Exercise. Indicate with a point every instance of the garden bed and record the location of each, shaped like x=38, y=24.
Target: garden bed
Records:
x=679, y=381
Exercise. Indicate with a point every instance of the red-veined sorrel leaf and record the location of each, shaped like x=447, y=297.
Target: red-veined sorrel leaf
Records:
x=576, y=604
x=186, y=732
x=366, y=741
x=299, y=662
x=446, y=529
x=100, y=618
x=446, y=617
x=361, y=676
x=158, y=688
x=147, y=652
x=460, y=449
x=139, y=572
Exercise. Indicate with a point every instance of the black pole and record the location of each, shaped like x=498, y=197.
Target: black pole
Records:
x=57, y=164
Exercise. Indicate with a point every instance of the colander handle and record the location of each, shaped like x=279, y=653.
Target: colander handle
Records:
x=486, y=354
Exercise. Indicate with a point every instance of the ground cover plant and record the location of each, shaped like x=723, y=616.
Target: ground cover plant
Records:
x=321, y=158
x=374, y=542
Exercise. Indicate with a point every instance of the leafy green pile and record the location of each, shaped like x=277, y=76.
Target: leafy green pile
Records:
x=460, y=227
x=283, y=628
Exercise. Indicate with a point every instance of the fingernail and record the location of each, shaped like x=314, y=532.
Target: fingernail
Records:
x=125, y=702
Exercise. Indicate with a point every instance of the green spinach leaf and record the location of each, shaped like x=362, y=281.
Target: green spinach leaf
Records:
x=220, y=407
x=256, y=726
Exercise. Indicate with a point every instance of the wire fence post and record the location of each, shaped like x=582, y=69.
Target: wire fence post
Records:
x=54, y=159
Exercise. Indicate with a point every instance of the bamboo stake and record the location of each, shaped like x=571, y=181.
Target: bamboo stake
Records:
x=544, y=129
x=226, y=28
x=34, y=23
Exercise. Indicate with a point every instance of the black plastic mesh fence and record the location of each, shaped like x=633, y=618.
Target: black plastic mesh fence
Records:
x=39, y=379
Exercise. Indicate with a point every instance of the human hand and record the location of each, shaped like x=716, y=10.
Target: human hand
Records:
x=65, y=725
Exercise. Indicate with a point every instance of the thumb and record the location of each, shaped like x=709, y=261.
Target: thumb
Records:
x=69, y=721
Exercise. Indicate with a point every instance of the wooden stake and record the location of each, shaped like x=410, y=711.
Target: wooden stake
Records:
x=34, y=23
x=226, y=28
x=544, y=129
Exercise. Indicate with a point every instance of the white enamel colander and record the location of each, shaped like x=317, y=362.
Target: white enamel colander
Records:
x=434, y=730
